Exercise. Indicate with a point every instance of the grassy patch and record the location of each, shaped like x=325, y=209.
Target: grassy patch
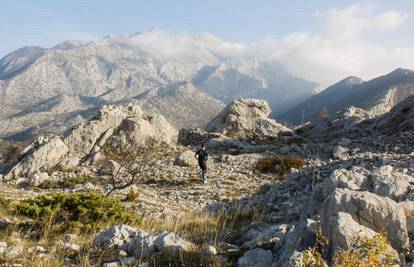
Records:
x=279, y=165
x=69, y=182
x=85, y=212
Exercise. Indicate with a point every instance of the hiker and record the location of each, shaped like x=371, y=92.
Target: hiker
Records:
x=202, y=156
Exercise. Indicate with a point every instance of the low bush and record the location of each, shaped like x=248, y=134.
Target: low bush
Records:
x=279, y=165
x=132, y=196
x=84, y=212
x=69, y=182
x=363, y=252
x=367, y=252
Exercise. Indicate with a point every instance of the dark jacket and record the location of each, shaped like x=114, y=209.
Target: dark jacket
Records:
x=202, y=157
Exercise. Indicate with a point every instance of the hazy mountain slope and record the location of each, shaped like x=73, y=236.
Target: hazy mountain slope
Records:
x=377, y=96
x=18, y=60
x=256, y=79
x=182, y=104
x=120, y=68
x=54, y=115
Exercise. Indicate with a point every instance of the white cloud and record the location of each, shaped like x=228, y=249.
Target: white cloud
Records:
x=358, y=18
x=339, y=49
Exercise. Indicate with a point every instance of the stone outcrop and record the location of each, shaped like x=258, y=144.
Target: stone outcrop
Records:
x=369, y=210
x=399, y=119
x=42, y=158
x=138, y=243
x=383, y=181
x=247, y=118
x=342, y=231
x=120, y=124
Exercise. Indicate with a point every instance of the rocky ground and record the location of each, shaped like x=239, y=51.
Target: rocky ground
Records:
x=355, y=190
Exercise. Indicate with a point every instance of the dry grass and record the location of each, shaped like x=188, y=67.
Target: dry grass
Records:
x=367, y=252
x=363, y=252
x=279, y=165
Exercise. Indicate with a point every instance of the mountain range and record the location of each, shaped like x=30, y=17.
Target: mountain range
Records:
x=376, y=96
x=186, y=78
x=50, y=87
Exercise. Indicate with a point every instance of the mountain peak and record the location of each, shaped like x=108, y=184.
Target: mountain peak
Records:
x=69, y=44
x=401, y=71
x=352, y=80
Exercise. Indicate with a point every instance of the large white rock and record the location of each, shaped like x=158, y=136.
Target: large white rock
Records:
x=246, y=118
x=140, y=130
x=372, y=211
x=138, y=243
x=170, y=244
x=343, y=231
x=116, y=236
x=83, y=138
x=43, y=158
x=185, y=159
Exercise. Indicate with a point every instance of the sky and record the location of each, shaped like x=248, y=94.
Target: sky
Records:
x=320, y=40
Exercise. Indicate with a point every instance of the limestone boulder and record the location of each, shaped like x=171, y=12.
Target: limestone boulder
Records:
x=138, y=243
x=40, y=159
x=342, y=230
x=171, y=244
x=185, y=159
x=369, y=210
x=385, y=181
x=266, y=236
x=116, y=236
x=83, y=138
x=246, y=118
x=140, y=130
x=353, y=179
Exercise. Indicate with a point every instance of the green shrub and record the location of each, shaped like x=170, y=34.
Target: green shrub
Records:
x=84, y=212
x=279, y=165
x=69, y=182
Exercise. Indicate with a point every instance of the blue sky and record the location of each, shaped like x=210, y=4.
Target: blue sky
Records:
x=47, y=22
x=319, y=40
